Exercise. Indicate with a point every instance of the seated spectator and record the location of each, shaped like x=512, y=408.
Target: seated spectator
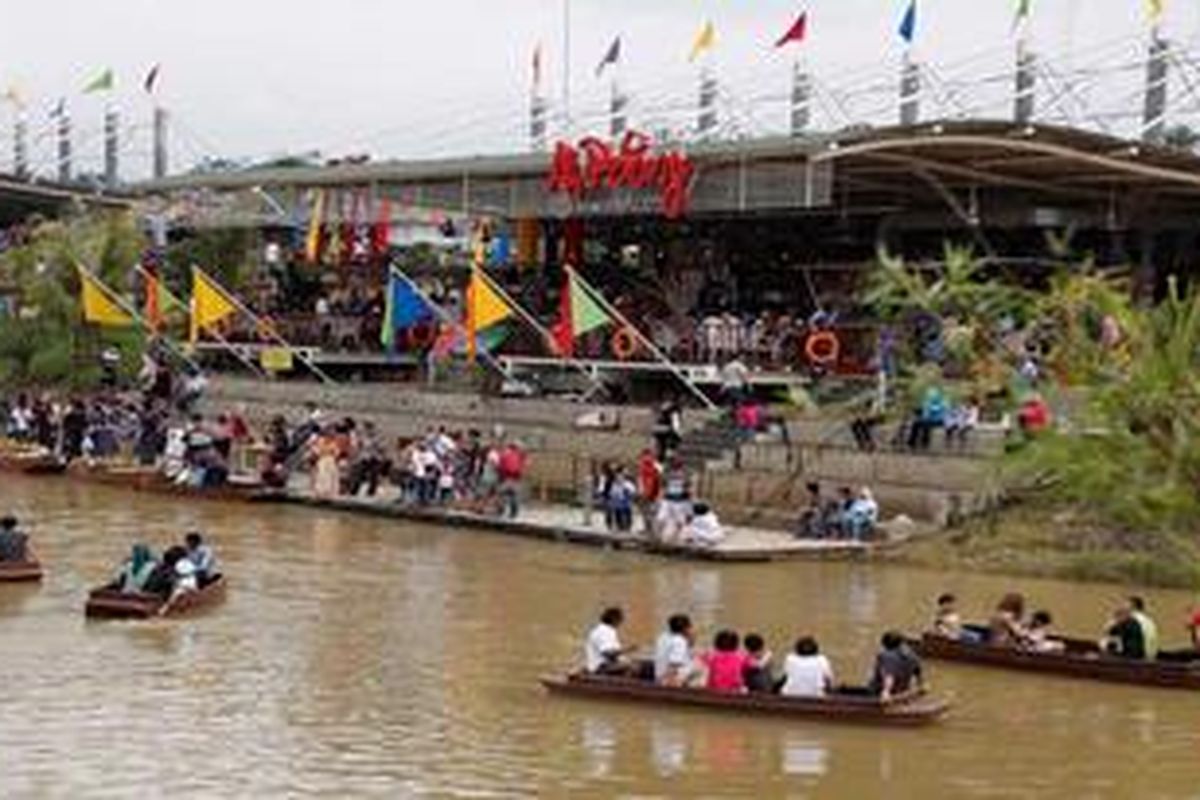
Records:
x=704, y=529
x=961, y=421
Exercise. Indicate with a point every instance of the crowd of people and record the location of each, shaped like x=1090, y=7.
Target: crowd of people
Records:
x=850, y=515
x=662, y=496
x=346, y=458
x=742, y=664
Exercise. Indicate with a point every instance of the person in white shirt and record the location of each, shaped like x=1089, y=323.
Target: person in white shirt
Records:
x=602, y=651
x=807, y=673
x=704, y=529
x=673, y=662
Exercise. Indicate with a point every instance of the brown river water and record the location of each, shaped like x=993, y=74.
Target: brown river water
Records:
x=365, y=658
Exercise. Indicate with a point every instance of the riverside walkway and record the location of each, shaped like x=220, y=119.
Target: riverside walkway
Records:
x=572, y=525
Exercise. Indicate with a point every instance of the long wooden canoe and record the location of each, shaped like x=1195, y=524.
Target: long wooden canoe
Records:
x=20, y=571
x=113, y=604
x=31, y=462
x=910, y=710
x=1080, y=659
x=150, y=480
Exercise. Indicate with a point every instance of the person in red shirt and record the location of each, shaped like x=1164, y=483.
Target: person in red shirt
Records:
x=1194, y=628
x=726, y=663
x=1034, y=415
x=650, y=480
x=511, y=467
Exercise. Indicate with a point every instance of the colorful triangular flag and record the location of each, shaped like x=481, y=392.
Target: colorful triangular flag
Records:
x=1155, y=9
x=908, y=25
x=485, y=307
x=404, y=308
x=579, y=314
x=611, y=58
x=705, y=40
x=99, y=307
x=796, y=33
x=103, y=82
x=210, y=303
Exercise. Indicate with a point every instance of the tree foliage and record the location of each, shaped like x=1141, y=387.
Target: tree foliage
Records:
x=46, y=342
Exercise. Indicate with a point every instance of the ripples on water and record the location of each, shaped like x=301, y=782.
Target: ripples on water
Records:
x=358, y=658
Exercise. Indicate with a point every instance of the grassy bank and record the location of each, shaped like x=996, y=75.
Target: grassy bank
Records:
x=1041, y=540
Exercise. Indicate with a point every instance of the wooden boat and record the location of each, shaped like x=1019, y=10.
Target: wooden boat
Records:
x=20, y=571
x=31, y=462
x=149, y=479
x=1080, y=659
x=909, y=710
x=107, y=603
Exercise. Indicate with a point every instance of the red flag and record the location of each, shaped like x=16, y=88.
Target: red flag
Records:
x=797, y=32
x=381, y=230
x=563, y=331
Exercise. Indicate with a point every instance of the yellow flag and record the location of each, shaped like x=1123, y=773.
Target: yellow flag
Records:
x=312, y=247
x=98, y=305
x=1155, y=9
x=706, y=39
x=210, y=304
x=487, y=306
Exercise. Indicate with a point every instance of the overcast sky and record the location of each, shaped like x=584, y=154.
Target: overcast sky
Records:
x=249, y=78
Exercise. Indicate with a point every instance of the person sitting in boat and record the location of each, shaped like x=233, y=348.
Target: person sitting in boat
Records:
x=704, y=529
x=1132, y=634
x=136, y=571
x=162, y=578
x=1007, y=626
x=14, y=545
x=807, y=673
x=725, y=663
x=1137, y=608
x=756, y=671
x=201, y=556
x=947, y=622
x=861, y=516
x=897, y=668
x=673, y=663
x=1039, y=636
x=602, y=651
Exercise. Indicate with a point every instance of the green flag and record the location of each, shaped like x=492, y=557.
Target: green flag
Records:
x=1023, y=9
x=103, y=82
x=586, y=313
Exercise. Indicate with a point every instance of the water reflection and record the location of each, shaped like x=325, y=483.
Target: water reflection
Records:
x=804, y=756
x=668, y=746
x=361, y=658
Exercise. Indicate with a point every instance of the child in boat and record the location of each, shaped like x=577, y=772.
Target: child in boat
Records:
x=807, y=673
x=725, y=663
x=136, y=570
x=947, y=621
x=756, y=670
x=1038, y=634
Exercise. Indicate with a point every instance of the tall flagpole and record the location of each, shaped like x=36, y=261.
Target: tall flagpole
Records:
x=268, y=329
x=637, y=334
x=567, y=66
x=445, y=316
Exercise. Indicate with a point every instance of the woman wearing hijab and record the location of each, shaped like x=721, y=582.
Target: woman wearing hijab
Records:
x=136, y=570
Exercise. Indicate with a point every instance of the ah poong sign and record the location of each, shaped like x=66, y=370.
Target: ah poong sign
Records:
x=595, y=164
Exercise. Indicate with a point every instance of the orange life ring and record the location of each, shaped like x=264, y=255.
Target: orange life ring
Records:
x=823, y=347
x=421, y=336
x=624, y=344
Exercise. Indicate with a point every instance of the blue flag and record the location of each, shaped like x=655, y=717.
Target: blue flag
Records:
x=404, y=309
x=908, y=25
